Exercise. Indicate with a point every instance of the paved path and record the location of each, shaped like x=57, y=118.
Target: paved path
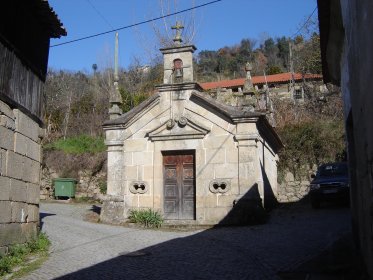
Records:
x=83, y=250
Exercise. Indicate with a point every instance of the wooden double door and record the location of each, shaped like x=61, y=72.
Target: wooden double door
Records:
x=179, y=185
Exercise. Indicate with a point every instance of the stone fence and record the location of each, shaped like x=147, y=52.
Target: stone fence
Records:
x=292, y=189
x=88, y=186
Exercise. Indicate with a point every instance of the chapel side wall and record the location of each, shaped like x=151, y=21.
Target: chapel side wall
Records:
x=269, y=174
x=20, y=158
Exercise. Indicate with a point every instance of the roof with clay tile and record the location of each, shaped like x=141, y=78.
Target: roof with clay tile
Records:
x=257, y=80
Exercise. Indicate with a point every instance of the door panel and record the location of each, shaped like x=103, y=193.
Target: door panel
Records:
x=170, y=190
x=171, y=208
x=179, y=186
x=188, y=190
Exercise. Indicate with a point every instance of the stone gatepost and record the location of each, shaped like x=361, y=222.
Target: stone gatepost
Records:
x=113, y=205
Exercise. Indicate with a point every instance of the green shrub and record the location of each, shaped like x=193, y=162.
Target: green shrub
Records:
x=146, y=217
x=41, y=244
x=19, y=250
x=5, y=265
x=103, y=186
x=131, y=100
x=309, y=143
x=18, y=253
x=78, y=145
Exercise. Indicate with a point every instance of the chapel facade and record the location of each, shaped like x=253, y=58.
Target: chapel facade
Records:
x=188, y=156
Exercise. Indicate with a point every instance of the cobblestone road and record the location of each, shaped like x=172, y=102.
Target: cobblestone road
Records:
x=83, y=250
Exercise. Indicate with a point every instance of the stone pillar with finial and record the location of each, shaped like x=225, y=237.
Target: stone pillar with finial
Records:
x=248, y=85
x=113, y=203
x=250, y=100
x=115, y=98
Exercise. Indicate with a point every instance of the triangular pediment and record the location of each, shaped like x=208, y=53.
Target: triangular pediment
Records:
x=178, y=129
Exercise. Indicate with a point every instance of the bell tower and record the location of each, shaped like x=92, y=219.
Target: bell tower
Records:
x=178, y=60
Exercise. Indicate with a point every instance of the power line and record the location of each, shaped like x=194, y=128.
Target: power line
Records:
x=101, y=15
x=135, y=24
x=308, y=19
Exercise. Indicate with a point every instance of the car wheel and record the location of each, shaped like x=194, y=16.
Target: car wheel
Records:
x=315, y=204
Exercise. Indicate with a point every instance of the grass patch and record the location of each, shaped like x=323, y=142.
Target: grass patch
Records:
x=30, y=267
x=146, y=217
x=103, y=186
x=19, y=254
x=78, y=145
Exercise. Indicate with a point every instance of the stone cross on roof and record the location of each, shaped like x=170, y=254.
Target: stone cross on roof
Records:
x=178, y=28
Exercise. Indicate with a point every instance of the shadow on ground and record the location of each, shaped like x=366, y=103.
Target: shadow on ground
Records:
x=96, y=209
x=42, y=216
x=93, y=214
x=279, y=249
x=336, y=262
x=283, y=241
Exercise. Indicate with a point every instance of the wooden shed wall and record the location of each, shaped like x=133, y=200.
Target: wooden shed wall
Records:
x=19, y=86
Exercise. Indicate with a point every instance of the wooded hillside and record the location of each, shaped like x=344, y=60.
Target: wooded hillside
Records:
x=271, y=57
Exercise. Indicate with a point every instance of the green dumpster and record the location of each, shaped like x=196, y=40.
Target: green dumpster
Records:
x=64, y=187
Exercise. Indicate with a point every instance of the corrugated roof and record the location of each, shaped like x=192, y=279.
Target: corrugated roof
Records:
x=257, y=80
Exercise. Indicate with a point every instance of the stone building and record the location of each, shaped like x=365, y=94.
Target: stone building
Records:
x=283, y=85
x=188, y=156
x=25, y=30
x=346, y=50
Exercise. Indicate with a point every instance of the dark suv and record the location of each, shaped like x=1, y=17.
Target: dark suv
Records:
x=330, y=184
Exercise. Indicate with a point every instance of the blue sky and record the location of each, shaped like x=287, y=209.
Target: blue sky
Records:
x=220, y=24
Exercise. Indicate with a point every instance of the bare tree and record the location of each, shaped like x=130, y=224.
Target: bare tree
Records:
x=62, y=89
x=162, y=30
x=307, y=54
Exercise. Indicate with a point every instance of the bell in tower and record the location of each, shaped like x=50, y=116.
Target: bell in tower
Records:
x=178, y=60
x=178, y=70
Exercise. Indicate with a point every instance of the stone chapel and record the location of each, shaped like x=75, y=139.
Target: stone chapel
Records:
x=186, y=155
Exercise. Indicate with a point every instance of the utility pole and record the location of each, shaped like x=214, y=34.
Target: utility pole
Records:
x=291, y=63
x=292, y=82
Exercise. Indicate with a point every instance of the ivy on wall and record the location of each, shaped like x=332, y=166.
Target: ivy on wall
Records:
x=309, y=143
